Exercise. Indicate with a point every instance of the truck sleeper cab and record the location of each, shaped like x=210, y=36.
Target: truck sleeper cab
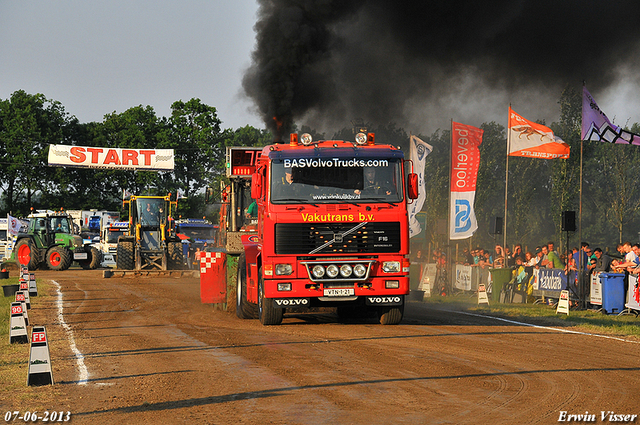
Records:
x=332, y=231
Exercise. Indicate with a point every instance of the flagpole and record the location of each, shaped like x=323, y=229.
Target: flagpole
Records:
x=449, y=207
x=506, y=190
x=582, y=291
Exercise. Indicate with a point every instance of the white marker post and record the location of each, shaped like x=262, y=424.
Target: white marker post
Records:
x=39, y=360
x=563, y=303
x=482, y=294
x=17, y=326
x=20, y=299
x=33, y=287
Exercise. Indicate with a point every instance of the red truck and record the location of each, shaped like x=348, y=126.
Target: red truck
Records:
x=332, y=230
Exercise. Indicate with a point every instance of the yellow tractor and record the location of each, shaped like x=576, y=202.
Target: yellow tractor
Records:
x=152, y=243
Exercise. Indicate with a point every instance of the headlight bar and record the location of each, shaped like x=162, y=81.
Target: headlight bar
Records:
x=309, y=265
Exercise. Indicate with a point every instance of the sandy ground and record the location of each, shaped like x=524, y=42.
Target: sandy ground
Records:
x=153, y=353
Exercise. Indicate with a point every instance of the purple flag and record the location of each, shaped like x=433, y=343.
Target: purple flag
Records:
x=597, y=127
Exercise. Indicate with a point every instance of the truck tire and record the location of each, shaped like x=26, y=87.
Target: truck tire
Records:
x=174, y=256
x=94, y=258
x=391, y=315
x=267, y=313
x=125, y=256
x=244, y=308
x=26, y=254
x=58, y=258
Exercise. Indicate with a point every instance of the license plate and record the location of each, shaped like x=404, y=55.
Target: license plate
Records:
x=339, y=292
x=80, y=256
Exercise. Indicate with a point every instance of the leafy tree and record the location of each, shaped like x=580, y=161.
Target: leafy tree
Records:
x=28, y=124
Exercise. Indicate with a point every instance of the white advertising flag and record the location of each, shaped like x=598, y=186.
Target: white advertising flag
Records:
x=419, y=152
x=13, y=225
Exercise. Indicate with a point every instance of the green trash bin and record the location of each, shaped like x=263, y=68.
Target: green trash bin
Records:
x=499, y=278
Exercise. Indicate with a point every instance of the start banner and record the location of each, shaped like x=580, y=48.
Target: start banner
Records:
x=112, y=158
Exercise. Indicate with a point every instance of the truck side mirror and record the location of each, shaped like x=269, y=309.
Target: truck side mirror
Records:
x=256, y=185
x=412, y=186
x=209, y=195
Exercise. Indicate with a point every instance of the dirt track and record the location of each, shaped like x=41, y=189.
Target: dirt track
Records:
x=154, y=353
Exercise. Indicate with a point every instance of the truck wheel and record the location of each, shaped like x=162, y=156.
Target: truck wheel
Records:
x=94, y=258
x=244, y=308
x=125, y=254
x=390, y=315
x=58, y=258
x=268, y=314
x=26, y=254
x=174, y=256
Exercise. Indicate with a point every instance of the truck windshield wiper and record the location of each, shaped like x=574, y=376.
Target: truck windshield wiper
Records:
x=394, y=203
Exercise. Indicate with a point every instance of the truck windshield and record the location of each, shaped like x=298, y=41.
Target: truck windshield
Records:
x=113, y=235
x=336, y=180
x=59, y=224
x=195, y=232
x=151, y=211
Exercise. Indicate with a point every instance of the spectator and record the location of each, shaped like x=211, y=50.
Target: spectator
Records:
x=586, y=254
x=419, y=258
x=530, y=259
x=196, y=258
x=485, y=260
x=517, y=251
x=603, y=263
x=631, y=260
x=508, y=257
x=544, y=260
x=553, y=258
x=467, y=256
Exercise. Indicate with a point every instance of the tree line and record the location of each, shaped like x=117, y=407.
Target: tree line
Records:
x=539, y=190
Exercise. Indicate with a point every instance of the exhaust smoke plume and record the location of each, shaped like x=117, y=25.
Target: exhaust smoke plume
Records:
x=418, y=64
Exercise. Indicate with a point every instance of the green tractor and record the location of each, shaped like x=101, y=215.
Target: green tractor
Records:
x=49, y=243
x=152, y=242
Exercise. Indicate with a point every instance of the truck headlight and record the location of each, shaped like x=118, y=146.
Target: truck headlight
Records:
x=284, y=269
x=345, y=270
x=332, y=270
x=317, y=271
x=359, y=270
x=391, y=267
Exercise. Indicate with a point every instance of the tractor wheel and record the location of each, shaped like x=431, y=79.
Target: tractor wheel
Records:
x=125, y=256
x=244, y=308
x=93, y=261
x=58, y=258
x=390, y=315
x=175, y=259
x=26, y=254
x=267, y=313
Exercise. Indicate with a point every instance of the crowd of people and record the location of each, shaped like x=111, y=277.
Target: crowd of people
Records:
x=589, y=261
x=546, y=255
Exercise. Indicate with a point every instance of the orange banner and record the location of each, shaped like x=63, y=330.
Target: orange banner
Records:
x=533, y=140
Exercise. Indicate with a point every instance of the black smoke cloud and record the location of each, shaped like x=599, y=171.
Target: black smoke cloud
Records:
x=420, y=63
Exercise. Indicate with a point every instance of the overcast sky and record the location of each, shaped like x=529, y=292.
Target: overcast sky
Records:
x=99, y=57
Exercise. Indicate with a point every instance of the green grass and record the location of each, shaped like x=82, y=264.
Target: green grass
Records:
x=545, y=315
x=14, y=361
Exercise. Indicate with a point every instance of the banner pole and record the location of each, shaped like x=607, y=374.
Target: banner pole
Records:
x=449, y=259
x=506, y=189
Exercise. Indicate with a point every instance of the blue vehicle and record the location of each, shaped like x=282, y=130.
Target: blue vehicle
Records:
x=195, y=232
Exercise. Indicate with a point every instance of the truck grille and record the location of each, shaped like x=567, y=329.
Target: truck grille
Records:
x=302, y=238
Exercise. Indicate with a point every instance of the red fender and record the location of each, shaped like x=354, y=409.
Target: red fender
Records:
x=252, y=255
